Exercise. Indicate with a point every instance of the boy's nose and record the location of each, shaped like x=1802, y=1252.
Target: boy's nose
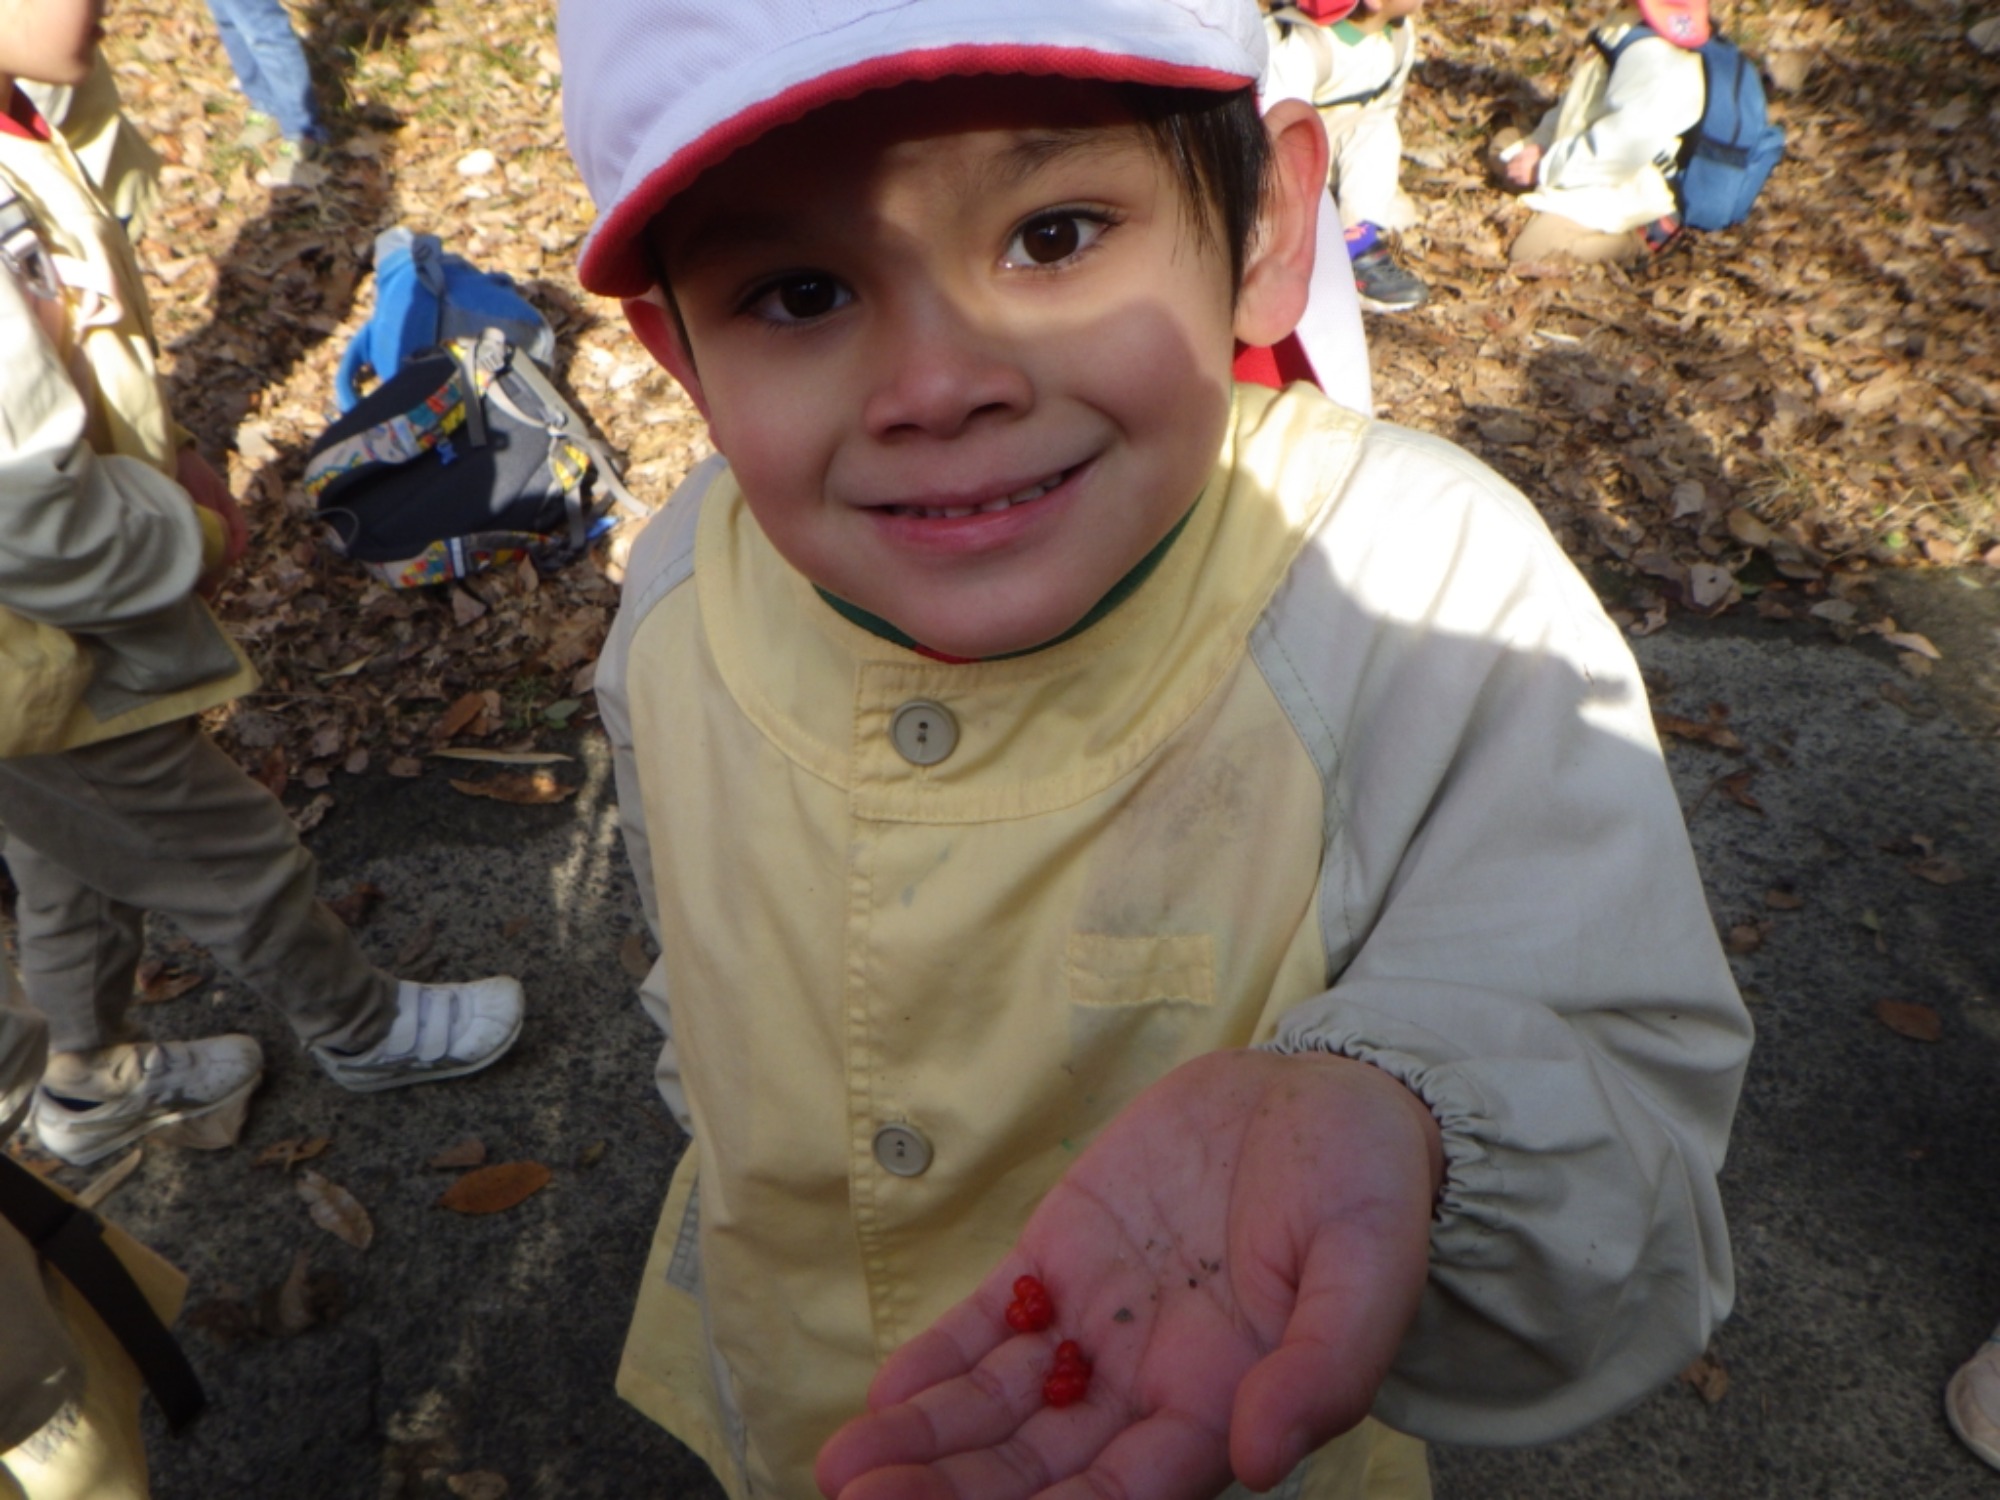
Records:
x=937, y=373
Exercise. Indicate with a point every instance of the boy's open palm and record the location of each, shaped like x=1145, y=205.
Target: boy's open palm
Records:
x=1238, y=1254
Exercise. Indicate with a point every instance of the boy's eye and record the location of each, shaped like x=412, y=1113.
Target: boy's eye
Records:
x=1051, y=239
x=799, y=298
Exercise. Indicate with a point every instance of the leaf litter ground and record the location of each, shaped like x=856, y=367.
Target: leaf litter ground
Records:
x=1762, y=419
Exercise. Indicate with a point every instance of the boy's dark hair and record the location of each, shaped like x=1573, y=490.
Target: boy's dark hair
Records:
x=1217, y=146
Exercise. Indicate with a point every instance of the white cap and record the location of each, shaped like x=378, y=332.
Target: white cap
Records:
x=657, y=91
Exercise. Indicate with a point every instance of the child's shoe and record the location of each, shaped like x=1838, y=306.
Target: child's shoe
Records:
x=91, y=1104
x=1972, y=1401
x=1385, y=286
x=1661, y=235
x=440, y=1031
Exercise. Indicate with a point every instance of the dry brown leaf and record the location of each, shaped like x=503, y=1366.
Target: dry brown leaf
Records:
x=1937, y=870
x=1737, y=789
x=459, y=715
x=1782, y=900
x=358, y=905
x=492, y=1190
x=591, y=1155
x=470, y=1152
x=526, y=789
x=506, y=757
x=417, y=944
x=288, y=1153
x=480, y=1484
x=1747, y=937
x=1919, y=1023
x=1708, y=1378
x=405, y=767
x=513, y=927
x=1702, y=731
x=335, y=1210
x=107, y=1182
x=160, y=982
x=634, y=956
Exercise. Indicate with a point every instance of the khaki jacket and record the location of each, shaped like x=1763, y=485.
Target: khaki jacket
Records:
x=1361, y=767
x=100, y=548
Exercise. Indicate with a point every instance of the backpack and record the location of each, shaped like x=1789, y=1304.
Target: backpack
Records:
x=1725, y=159
x=466, y=458
x=424, y=298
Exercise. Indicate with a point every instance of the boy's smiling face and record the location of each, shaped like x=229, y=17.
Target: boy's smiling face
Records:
x=966, y=348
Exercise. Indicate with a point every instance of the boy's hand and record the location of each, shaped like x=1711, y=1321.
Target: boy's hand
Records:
x=1238, y=1254
x=1520, y=167
x=211, y=492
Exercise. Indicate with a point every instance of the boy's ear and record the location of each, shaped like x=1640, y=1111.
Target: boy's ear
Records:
x=660, y=332
x=1277, y=275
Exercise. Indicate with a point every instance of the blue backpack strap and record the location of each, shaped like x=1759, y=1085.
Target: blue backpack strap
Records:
x=1638, y=32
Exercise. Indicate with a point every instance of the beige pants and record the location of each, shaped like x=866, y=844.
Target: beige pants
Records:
x=1549, y=236
x=163, y=821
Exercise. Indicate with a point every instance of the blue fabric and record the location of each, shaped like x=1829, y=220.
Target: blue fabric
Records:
x=269, y=62
x=1361, y=238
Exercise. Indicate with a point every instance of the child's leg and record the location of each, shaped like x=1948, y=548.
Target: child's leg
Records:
x=1551, y=235
x=163, y=821
x=269, y=63
x=79, y=950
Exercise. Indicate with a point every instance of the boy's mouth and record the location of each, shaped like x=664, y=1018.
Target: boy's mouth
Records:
x=1021, y=496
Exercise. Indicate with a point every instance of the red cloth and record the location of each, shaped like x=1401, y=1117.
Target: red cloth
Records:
x=23, y=119
x=1276, y=366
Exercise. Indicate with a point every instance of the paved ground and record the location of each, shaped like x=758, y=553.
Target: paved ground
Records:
x=1861, y=1182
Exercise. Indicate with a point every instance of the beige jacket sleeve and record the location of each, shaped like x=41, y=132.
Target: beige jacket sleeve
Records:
x=1516, y=931
x=87, y=542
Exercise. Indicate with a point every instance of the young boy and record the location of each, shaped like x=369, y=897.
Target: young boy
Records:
x=1352, y=62
x=1180, y=842
x=112, y=801
x=1597, y=169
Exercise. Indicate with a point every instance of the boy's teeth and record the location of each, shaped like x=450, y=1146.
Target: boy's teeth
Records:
x=952, y=513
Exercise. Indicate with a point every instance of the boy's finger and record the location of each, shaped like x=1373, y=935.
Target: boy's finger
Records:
x=984, y=1407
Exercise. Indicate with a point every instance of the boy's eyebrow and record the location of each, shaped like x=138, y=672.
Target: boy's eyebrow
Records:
x=729, y=233
x=1049, y=145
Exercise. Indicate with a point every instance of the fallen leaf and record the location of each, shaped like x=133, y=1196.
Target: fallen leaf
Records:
x=1782, y=900
x=460, y=714
x=1737, y=789
x=470, y=1152
x=1906, y=1018
x=505, y=757
x=105, y=1183
x=335, y=1210
x=291, y=1306
x=480, y=1484
x=290, y=1152
x=591, y=1155
x=1747, y=937
x=528, y=789
x=1909, y=640
x=1937, y=870
x=492, y=1190
x=309, y=817
x=634, y=957
x=358, y=905
x=1708, y=1377
x=465, y=606
x=405, y=767
x=1704, y=732
x=160, y=982
x=417, y=944
x=513, y=927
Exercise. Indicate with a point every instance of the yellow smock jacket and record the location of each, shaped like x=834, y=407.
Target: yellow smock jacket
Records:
x=101, y=633
x=1360, y=767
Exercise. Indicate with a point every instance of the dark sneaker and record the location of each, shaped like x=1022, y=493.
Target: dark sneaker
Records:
x=1385, y=286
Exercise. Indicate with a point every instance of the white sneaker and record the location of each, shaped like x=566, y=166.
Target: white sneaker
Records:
x=91, y=1104
x=1972, y=1401
x=440, y=1031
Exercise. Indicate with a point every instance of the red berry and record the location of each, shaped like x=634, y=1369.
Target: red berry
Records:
x=1068, y=1377
x=1031, y=1310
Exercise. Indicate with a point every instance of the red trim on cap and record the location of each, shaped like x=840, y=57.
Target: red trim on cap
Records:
x=611, y=263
